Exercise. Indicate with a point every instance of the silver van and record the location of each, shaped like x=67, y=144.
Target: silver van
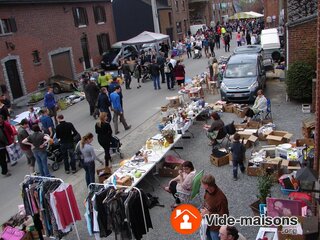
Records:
x=243, y=77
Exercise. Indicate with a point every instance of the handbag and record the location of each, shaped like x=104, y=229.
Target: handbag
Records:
x=14, y=152
x=76, y=138
x=11, y=233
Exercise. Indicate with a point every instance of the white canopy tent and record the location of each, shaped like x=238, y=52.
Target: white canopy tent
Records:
x=147, y=37
x=245, y=15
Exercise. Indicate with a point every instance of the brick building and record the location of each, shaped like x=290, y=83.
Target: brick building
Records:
x=209, y=12
x=317, y=137
x=273, y=12
x=42, y=38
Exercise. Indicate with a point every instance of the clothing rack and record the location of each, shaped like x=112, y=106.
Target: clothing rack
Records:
x=68, y=200
x=127, y=187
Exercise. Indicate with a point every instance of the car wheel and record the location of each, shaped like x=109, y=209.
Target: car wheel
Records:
x=56, y=89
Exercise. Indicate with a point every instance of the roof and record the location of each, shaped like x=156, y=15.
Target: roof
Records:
x=242, y=58
x=146, y=37
x=2, y=2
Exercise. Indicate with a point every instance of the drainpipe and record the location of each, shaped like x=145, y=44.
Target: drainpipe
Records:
x=287, y=47
x=155, y=16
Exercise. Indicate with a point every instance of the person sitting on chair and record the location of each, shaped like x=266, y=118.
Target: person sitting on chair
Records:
x=183, y=182
x=213, y=130
x=260, y=105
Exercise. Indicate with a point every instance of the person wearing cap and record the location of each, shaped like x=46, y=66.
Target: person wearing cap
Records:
x=26, y=149
x=91, y=92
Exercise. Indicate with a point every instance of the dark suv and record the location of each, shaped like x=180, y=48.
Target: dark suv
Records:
x=110, y=59
x=243, y=77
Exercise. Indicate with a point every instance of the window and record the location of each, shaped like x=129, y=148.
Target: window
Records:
x=179, y=28
x=7, y=25
x=36, y=57
x=169, y=3
x=183, y=5
x=170, y=18
x=99, y=14
x=80, y=16
x=103, y=42
x=176, y=2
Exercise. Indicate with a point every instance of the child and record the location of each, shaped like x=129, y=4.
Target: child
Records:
x=238, y=155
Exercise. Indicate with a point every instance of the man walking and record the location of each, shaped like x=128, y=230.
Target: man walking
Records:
x=155, y=74
x=104, y=103
x=117, y=110
x=127, y=74
x=65, y=132
x=50, y=103
x=215, y=202
x=91, y=91
x=5, y=140
x=160, y=61
x=26, y=149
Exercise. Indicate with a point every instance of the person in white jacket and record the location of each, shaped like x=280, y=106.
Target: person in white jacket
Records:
x=260, y=105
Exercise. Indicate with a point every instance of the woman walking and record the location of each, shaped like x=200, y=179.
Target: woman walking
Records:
x=38, y=142
x=104, y=132
x=89, y=157
x=179, y=73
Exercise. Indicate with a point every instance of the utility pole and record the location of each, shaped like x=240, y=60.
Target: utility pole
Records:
x=155, y=16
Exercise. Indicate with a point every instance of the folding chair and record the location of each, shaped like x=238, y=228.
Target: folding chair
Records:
x=195, y=191
x=226, y=132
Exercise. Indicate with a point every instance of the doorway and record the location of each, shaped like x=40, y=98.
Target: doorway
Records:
x=14, y=78
x=85, y=51
x=61, y=64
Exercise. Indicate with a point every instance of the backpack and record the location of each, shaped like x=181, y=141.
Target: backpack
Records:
x=153, y=201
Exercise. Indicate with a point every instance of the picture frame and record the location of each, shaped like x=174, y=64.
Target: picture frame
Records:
x=270, y=233
x=277, y=207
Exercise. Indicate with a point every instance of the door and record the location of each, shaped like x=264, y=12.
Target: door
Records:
x=169, y=32
x=85, y=51
x=61, y=63
x=14, y=78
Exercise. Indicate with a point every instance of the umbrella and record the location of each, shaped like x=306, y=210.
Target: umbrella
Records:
x=307, y=174
x=244, y=15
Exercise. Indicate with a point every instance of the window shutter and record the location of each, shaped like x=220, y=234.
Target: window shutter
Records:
x=85, y=16
x=104, y=14
x=75, y=17
x=13, y=25
x=95, y=14
x=99, y=44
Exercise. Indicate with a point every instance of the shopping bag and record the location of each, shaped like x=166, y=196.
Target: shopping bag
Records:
x=11, y=233
x=14, y=152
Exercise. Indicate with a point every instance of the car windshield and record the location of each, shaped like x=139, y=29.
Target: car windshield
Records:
x=240, y=70
x=113, y=51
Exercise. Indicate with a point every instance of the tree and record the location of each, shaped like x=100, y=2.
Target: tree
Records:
x=251, y=5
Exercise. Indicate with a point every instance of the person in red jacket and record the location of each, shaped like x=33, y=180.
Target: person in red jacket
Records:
x=6, y=138
x=179, y=73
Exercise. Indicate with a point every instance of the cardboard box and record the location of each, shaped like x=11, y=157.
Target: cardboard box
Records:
x=309, y=122
x=266, y=121
x=228, y=107
x=169, y=170
x=240, y=127
x=240, y=110
x=290, y=166
x=253, y=170
x=306, y=132
x=103, y=174
x=282, y=236
x=247, y=138
x=273, y=163
x=302, y=142
x=253, y=125
x=174, y=101
x=220, y=161
x=278, y=137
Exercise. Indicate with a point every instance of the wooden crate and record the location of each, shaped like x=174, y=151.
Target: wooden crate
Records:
x=220, y=161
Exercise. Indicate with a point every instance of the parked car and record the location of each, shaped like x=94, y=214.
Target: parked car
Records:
x=63, y=84
x=243, y=77
x=110, y=58
x=248, y=49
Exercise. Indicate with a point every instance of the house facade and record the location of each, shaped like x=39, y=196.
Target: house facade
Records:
x=209, y=12
x=43, y=38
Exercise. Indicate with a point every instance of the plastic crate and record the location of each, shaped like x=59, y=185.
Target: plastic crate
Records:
x=288, y=191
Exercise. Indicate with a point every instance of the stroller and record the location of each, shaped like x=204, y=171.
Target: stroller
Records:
x=145, y=72
x=197, y=52
x=115, y=146
x=54, y=155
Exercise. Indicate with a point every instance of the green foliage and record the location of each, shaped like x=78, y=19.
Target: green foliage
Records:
x=299, y=81
x=265, y=183
x=62, y=104
x=37, y=97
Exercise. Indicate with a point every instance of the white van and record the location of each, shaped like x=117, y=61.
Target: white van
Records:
x=270, y=43
x=196, y=27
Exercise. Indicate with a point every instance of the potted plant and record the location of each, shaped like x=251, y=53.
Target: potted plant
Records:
x=265, y=183
x=168, y=135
